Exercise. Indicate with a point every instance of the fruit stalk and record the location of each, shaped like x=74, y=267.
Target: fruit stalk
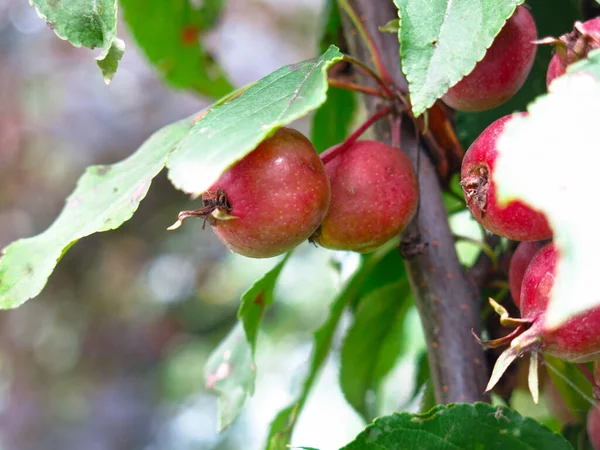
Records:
x=355, y=87
x=358, y=133
x=448, y=302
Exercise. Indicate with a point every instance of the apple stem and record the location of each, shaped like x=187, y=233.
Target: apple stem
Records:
x=354, y=136
x=371, y=73
x=356, y=87
x=396, y=123
x=367, y=39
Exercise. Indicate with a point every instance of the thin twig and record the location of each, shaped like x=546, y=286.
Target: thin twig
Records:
x=371, y=73
x=354, y=136
x=355, y=87
x=368, y=41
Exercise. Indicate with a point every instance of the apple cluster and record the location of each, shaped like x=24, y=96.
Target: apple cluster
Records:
x=283, y=193
x=508, y=63
x=533, y=265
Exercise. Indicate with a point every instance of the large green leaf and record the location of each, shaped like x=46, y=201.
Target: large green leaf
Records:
x=256, y=299
x=550, y=22
x=441, y=41
x=231, y=373
x=283, y=425
x=169, y=33
x=87, y=23
x=373, y=344
x=458, y=426
x=230, y=131
x=105, y=197
x=549, y=159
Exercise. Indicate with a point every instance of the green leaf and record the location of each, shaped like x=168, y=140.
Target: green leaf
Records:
x=231, y=373
x=393, y=26
x=256, y=299
x=548, y=160
x=441, y=41
x=109, y=64
x=282, y=426
x=230, y=131
x=550, y=22
x=458, y=426
x=576, y=434
x=573, y=387
x=87, y=23
x=169, y=33
x=373, y=344
x=105, y=197
x=331, y=123
x=331, y=26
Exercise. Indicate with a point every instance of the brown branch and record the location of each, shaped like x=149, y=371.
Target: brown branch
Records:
x=447, y=300
x=333, y=82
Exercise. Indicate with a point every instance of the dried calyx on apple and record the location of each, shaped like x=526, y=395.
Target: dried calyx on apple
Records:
x=576, y=340
x=572, y=46
x=516, y=220
x=271, y=200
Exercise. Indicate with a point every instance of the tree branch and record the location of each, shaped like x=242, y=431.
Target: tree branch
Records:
x=448, y=302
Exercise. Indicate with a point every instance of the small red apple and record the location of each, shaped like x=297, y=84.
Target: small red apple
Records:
x=271, y=200
x=516, y=220
x=503, y=69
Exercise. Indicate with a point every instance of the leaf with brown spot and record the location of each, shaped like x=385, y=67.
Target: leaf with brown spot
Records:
x=230, y=372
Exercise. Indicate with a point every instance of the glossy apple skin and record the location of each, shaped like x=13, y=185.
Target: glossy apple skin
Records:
x=518, y=265
x=516, y=220
x=503, y=69
x=278, y=195
x=561, y=59
x=374, y=195
x=578, y=339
